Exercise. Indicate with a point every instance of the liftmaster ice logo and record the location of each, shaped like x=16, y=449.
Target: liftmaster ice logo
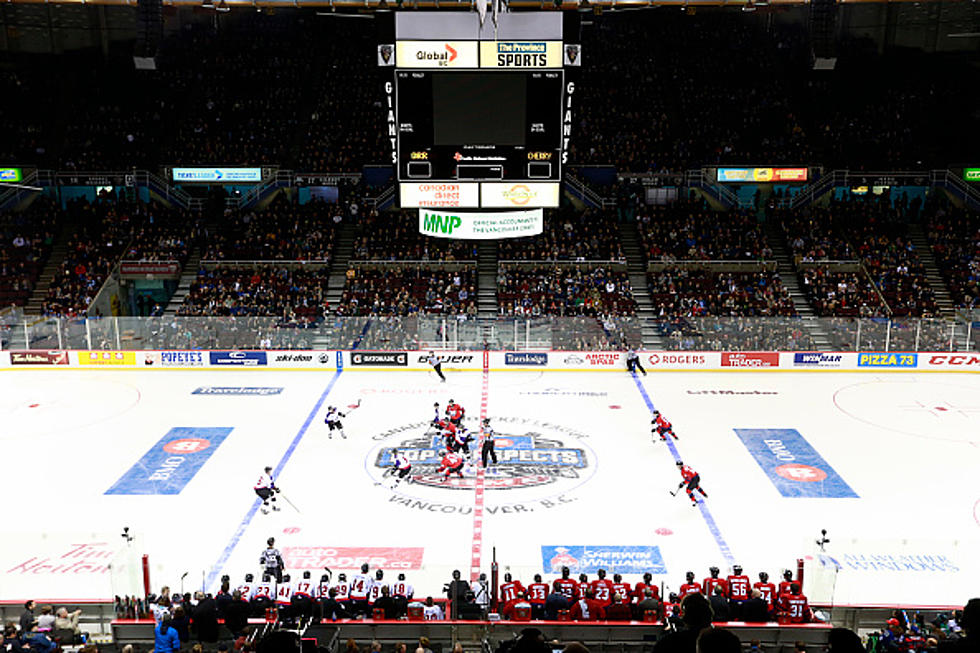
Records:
x=534, y=459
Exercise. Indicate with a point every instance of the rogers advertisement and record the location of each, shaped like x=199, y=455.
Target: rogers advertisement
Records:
x=749, y=359
x=685, y=360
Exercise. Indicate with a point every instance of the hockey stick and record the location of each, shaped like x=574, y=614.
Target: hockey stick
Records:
x=351, y=407
x=290, y=503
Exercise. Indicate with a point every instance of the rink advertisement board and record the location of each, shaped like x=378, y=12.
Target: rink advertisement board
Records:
x=172, y=462
x=238, y=358
x=347, y=557
x=793, y=465
x=107, y=358
x=887, y=360
x=588, y=559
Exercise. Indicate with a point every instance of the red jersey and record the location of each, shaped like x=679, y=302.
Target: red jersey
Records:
x=739, y=588
x=451, y=461
x=663, y=423
x=624, y=591
x=768, y=591
x=784, y=587
x=603, y=588
x=710, y=584
x=640, y=590
x=587, y=610
x=580, y=590
x=796, y=608
x=537, y=593
x=566, y=586
x=508, y=591
x=454, y=411
x=687, y=473
x=688, y=588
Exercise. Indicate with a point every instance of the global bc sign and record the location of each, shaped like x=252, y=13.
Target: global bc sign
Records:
x=480, y=226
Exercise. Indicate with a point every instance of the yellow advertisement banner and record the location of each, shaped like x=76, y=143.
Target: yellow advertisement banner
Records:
x=107, y=358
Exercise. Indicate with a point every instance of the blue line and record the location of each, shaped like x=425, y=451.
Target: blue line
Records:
x=705, y=513
x=223, y=558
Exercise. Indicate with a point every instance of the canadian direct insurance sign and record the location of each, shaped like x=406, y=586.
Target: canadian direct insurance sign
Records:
x=481, y=226
x=220, y=175
x=761, y=174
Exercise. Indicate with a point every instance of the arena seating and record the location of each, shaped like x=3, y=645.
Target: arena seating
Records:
x=954, y=235
x=701, y=293
x=569, y=235
x=281, y=232
x=404, y=290
x=564, y=290
x=689, y=230
x=396, y=238
x=27, y=240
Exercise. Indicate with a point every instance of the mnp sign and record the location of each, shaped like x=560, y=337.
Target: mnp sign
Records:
x=481, y=226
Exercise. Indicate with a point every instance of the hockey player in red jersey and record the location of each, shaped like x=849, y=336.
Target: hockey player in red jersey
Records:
x=709, y=584
x=784, y=586
x=537, y=595
x=623, y=589
x=454, y=412
x=767, y=589
x=583, y=585
x=739, y=588
x=510, y=588
x=794, y=608
x=692, y=480
x=452, y=463
x=662, y=425
x=690, y=587
x=566, y=585
x=587, y=609
x=602, y=587
x=646, y=584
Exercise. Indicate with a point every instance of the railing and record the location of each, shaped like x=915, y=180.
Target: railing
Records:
x=713, y=266
x=246, y=264
x=697, y=179
x=587, y=194
x=463, y=332
x=11, y=195
x=958, y=187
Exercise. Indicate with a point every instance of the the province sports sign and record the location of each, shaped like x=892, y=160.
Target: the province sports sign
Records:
x=481, y=226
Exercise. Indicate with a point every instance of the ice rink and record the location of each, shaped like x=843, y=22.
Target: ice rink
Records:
x=888, y=463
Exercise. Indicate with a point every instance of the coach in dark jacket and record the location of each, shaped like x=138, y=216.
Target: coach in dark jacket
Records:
x=236, y=614
x=755, y=609
x=556, y=601
x=206, y=619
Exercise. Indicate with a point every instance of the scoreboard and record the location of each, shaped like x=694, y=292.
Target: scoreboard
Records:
x=481, y=123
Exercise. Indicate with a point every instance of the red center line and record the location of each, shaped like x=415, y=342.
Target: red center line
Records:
x=480, y=475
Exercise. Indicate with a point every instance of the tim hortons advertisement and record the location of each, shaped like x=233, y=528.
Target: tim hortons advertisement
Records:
x=39, y=358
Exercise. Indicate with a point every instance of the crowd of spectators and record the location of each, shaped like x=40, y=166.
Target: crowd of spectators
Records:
x=396, y=237
x=696, y=293
x=569, y=235
x=564, y=290
x=27, y=239
x=735, y=334
x=841, y=294
x=295, y=295
x=954, y=235
x=163, y=234
x=283, y=231
x=689, y=229
x=406, y=290
x=100, y=234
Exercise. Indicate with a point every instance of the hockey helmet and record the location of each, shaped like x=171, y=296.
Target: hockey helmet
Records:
x=680, y=463
x=285, y=578
x=508, y=578
x=379, y=574
x=306, y=575
x=714, y=571
x=647, y=577
x=565, y=571
x=764, y=577
x=617, y=578
x=342, y=577
x=249, y=578
x=324, y=578
x=737, y=570
x=401, y=576
x=268, y=469
x=787, y=574
x=583, y=578
x=270, y=541
x=364, y=568
x=537, y=578
x=690, y=576
x=601, y=573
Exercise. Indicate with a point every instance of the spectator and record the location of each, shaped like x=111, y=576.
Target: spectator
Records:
x=236, y=614
x=756, y=609
x=205, y=618
x=618, y=611
x=68, y=621
x=893, y=638
x=718, y=640
x=45, y=622
x=696, y=615
x=719, y=604
x=970, y=623
x=386, y=603
x=38, y=640
x=646, y=604
x=27, y=616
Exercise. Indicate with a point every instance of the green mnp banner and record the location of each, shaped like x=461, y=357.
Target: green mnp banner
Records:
x=481, y=226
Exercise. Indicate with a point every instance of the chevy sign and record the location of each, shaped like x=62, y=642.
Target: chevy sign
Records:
x=218, y=175
x=481, y=226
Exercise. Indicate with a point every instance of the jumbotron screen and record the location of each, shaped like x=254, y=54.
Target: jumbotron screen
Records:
x=480, y=126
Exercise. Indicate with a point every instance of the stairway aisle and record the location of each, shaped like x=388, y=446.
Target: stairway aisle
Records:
x=629, y=239
x=944, y=300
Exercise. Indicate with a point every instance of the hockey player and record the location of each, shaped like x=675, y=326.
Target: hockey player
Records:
x=621, y=588
x=284, y=597
x=693, y=481
x=266, y=490
x=271, y=560
x=662, y=425
x=245, y=589
x=602, y=587
x=487, y=450
x=332, y=420
x=509, y=589
x=461, y=440
x=646, y=584
x=452, y=463
x=690, y=587
x=304, y=592
x=360, y=589
x=767, y=589
x=376, y=586
x=785, y=584
x=343, y=590
x=739, y=589
x=402, y=467
x=437, y=418
x=633, y=362
x=454, y=412
x=583, y=585
x=566, y=585
x=436, y=364
x=402, y=589
x=709, y=584
x=794, y=608
x=537, y=595
x=263, y=596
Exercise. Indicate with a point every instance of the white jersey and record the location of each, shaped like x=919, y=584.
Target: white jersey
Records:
x=402, y=589
x=333, y=415
x=246, y=590
x=375, y=593
x=270, y=558
x=402, y=462
x=266, y=589
x=343, y=590
x=432, y=360
x=304, y=588
x=284, y=593
x=360, y=587
x=265, y=482
x=432, y=613
x=323, y=591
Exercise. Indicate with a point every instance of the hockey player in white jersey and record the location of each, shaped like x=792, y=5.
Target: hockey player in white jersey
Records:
x=402, y=468
x=402, y=589
x=360, y=589
x=379, y=582
x=332, y=420
x=284, y=595
x=266, y=490
x=343, y=590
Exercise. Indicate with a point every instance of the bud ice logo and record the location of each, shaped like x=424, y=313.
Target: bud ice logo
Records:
x=530, y=454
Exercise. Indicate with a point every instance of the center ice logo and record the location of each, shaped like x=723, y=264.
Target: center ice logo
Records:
x=530, y=455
